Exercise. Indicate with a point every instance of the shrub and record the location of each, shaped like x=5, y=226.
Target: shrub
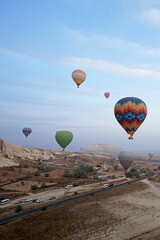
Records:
x=28, y=175
x=44, y=208
x=128, y=174
x=75, y=193
x=18, y=209
x=75, y=184
x=46, y=175
x=26, y=165
x=43, y=185
x=150, y=179
x=22, y=183
x=133, y=170
x=79, y=173
x=115, y=167
x=36, y=174
x=34, y=187
x=87, y=168
x=4, y=174
x=67, y=173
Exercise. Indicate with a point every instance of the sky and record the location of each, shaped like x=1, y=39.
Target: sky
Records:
x=116, y=43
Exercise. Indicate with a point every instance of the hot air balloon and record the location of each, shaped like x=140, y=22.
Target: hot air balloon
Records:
x=130, y=112
x=126, y=159
x=106, y=94
x=79, y=77
x=150, y=155
x=63, y=138
x=27, y=131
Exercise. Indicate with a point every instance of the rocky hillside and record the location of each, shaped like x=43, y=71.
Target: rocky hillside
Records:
x=107, y=149
x=12, y=155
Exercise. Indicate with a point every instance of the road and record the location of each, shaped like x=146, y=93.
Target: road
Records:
x=38, y=209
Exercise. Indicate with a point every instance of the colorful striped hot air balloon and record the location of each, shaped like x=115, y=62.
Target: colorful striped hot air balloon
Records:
x=126, y=159
x=106, y=94
x=63, y=138
x=78, y=77
x=130, y=112
x=26, y=131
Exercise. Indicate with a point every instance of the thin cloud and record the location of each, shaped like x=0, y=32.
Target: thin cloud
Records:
x=109, y=67
x=152, y=15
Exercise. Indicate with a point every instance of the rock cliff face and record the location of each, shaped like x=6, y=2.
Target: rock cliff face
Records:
x=16, y=152
x=108, y=149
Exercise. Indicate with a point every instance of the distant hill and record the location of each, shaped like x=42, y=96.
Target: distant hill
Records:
x=108, y=149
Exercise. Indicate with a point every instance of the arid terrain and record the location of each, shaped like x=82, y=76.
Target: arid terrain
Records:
x=124, y=213
x=128, y=212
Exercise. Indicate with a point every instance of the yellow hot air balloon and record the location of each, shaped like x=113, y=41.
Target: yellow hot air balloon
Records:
x=78, y=77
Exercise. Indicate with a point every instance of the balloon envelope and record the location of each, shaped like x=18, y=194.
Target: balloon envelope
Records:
x=78, y=77
x=150, y=155
x=63, y=138
x=126, y=159
x=26, y=131
x=130, y=112
x=106, y=94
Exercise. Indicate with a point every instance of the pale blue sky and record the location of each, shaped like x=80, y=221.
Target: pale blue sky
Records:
x=117, y=44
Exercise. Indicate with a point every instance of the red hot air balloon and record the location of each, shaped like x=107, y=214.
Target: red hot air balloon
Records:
x=106, y=94
x=126, y=159
x=78, y=77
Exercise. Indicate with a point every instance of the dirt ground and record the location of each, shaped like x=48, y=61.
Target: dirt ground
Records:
x=126, y=213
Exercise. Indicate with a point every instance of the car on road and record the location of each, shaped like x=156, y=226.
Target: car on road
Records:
x=28, y=200
x=105, y=186
x=68, y=186
x=5, y=201
x=39, y=200
x=52, y=197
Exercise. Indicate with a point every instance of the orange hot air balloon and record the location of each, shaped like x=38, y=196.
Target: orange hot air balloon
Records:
x=78, y=77
x=106, y=94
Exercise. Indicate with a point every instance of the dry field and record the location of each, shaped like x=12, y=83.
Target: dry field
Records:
x=127, y=213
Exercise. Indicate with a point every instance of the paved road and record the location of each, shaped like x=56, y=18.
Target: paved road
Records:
x=19, y=215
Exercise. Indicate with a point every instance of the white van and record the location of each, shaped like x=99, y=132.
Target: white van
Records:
x=5, y=201
x=105, y=186
x=68, y=186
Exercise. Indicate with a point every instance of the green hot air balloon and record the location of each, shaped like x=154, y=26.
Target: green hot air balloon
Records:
x=63, y=138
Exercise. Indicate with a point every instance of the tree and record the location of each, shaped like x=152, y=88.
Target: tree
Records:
x=43, y=185
x=18, y=209
x=67, y=173
x=34, y=187
x=115, y=167
x=44, y=208
x=79, y=173
x=36, y=174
